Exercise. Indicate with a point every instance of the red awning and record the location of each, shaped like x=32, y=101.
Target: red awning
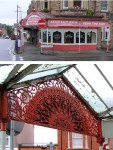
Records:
x=32, y=19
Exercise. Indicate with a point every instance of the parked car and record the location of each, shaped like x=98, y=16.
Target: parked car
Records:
x=13, y=37
x=7, y=37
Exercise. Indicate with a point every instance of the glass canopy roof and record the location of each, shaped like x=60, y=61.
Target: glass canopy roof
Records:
x=93, y=82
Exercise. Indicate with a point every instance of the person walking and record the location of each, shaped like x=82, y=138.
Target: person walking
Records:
x=19, y=45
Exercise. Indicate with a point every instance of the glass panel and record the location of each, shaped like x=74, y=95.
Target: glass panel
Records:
x=77, y=140
x=106, y=69
x=4, y=72
x=68, y=37
x=96, y=80
x=42, y=74
x=91, y=37
x=82, y=37
x=57, y=37
x=46, y=67
x=104, y=5
x=65, y=3
x=45, y=37
x=84, y=89
x=77, y=135
x=77, y=3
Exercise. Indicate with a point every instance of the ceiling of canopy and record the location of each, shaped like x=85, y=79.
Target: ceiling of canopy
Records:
x=93, y=82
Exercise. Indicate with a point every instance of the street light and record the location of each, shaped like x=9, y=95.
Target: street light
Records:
x=16, y=44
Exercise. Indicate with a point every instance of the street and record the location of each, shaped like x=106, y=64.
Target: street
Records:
x=7, y=47
x=33, y=53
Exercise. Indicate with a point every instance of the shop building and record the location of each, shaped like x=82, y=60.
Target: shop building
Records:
x=102, y=8
x=65, y=30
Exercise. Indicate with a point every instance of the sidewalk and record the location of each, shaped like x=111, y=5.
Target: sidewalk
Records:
x=33, y=53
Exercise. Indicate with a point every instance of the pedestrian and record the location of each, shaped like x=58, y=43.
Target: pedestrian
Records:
x=19, y=45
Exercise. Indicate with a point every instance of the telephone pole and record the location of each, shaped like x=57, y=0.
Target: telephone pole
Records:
x=16, y=44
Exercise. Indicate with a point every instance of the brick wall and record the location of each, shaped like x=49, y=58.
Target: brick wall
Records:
x=63, y=142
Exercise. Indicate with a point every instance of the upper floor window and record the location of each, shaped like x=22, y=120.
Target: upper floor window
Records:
x=65, y=3
x=45, y=4
x=77, y=140
x=77, y=3
x=104, y=5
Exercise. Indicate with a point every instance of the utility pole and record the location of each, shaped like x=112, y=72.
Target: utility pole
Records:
x=16, y=44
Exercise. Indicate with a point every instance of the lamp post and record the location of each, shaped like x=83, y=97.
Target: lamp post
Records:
x=16, y=44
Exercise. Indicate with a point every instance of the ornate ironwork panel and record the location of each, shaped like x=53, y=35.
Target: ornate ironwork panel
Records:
x=52, y=104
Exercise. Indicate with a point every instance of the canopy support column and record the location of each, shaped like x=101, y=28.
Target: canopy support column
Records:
x=100, y=139
x=2, y=135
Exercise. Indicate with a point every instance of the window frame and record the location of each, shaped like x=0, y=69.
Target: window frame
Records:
x=64, y=3
x=103, y=3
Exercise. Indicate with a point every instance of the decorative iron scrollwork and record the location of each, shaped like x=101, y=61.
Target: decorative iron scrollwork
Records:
x=52, y=104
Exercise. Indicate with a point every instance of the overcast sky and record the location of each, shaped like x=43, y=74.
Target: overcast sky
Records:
x=47, y=135
x=8, y=14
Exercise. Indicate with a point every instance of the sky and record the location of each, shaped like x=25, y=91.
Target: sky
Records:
x=47, y=135
x=8, y=8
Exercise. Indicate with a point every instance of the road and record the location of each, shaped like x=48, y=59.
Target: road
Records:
x=7, y=47
x=32, y=53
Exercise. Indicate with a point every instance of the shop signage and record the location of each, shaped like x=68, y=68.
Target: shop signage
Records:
x=42, y=24
x=33, y=20
x=69, y=23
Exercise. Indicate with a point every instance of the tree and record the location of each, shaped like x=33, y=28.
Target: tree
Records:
x=9, y=30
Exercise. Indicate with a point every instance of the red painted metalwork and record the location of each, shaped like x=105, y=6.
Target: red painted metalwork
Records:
x=3, y=109
x=52, y=104
x=3, y=105
x=100, y=139
x=2, y=126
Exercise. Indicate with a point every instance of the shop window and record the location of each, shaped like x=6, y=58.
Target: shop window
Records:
x=82, y=37
x=91, y=37
x=57, y=36
x=104, y=5
x=45, y=37
x=68, y=37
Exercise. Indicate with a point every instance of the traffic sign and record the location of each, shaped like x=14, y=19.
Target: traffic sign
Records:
x=42, y=24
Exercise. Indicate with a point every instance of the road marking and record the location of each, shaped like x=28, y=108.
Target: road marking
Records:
x=11, y=48
x=13, y=58
x=21, y=58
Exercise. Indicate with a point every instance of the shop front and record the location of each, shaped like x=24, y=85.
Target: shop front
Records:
x=71, y=34
x=30, y=24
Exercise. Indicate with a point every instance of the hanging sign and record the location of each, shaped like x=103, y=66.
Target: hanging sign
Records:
x=32, y=20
